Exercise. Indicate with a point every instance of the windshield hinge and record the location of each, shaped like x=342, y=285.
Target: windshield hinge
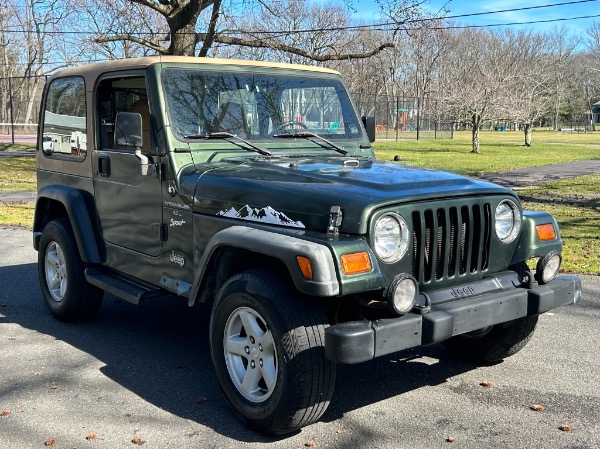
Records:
x=335, y=220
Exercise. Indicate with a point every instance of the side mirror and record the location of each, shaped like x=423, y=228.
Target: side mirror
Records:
x=369, y=124
x=128, y=130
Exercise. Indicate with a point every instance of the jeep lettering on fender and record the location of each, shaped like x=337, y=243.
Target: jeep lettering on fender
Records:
x=253, y=187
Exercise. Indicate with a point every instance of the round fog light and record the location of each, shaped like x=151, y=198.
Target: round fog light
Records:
x=547, y=267
x=402, y=294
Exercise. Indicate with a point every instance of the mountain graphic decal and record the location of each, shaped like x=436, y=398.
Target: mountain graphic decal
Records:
x=264, y=215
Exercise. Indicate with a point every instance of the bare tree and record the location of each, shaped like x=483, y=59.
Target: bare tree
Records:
x=184, y=16
x=528, y=79
x=562, y=48
x=117, y=17
x=474, y=76
x=32, y=41
x=316, y=29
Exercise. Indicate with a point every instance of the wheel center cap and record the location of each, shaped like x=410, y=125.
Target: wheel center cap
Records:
x=254, y=353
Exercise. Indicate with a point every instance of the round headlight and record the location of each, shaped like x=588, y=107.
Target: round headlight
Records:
x=390, y=240
x=508, y=221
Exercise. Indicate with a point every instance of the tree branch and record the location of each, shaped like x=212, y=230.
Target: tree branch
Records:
x=137, y=40
x=260, y=43
x=165, y=10
x=210, y=35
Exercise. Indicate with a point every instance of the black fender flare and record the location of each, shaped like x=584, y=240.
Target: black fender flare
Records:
x=78, y=214
x=283, y=247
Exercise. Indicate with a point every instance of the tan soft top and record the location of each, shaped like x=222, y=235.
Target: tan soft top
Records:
x=90, y=71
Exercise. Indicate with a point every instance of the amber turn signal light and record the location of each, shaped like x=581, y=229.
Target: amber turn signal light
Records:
x=546, y=231
x=305, y=267
x=355, y=263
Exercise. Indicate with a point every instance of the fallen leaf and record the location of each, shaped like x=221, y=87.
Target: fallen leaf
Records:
x=137, y=440
x=4, y=413
x=92, y=436
x=54, y=387
x=565, y=427
x=450, y=439
x=486, y=384
x=50, y=442
x=537, y=408
x=310, y=443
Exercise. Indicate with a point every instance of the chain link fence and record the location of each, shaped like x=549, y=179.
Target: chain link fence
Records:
x=401, y=118
x=396, y=117
x=19, y=108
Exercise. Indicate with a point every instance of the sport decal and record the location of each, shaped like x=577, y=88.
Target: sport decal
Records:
x=264, y=215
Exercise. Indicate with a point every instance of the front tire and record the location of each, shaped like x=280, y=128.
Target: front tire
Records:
x=267, y=346
x=67, y=294
x=496, y=343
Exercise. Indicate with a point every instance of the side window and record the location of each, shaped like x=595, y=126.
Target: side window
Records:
x=64, y=132
x=122, y=94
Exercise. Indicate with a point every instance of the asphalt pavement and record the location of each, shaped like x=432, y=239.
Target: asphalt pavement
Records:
x=144, y=371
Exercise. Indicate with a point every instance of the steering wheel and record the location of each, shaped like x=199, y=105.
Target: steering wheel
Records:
x=290, y=123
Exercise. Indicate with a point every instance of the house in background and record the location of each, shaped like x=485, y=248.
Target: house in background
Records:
x=593, y=115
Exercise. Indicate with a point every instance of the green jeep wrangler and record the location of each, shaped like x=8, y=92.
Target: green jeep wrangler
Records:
x=253, y=187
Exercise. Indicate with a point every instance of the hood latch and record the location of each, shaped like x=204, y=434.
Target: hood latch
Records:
x=335, y=221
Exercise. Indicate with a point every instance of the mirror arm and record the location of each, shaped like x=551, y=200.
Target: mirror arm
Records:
x=146, y=167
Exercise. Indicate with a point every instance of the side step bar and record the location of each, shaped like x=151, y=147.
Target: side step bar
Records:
x=123, y=288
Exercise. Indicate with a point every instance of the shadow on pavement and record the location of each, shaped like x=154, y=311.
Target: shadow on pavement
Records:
x=160, y=352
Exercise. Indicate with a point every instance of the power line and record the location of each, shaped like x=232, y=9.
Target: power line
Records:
x=377, y=26
x=533, y=22
x=525, y=8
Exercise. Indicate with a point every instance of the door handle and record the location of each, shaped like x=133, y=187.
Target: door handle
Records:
x=104, y=165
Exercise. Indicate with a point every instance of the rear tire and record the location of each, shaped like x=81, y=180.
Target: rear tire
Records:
x=495, y=343
x=61, y=272
x=267, y=346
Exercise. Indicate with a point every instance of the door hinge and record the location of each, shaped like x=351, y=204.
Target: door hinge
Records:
x=161, y=230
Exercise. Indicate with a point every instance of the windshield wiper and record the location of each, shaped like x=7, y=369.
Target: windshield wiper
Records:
x=230, y=138
x=308, y=135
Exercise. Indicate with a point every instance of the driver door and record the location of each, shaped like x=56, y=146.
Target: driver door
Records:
x=128, y=203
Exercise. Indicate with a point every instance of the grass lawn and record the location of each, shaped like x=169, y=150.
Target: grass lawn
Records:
x=17, y=215
x=500, y=151
x=15, y=147
x=574, y=202
x=17, y=173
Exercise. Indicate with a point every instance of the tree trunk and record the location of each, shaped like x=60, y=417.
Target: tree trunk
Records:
x=183, y=41
x=33, y=90
x=475, y=122
x=527, y=130
x=182, y=27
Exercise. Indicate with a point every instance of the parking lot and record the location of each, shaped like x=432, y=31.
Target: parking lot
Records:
x=144, y=373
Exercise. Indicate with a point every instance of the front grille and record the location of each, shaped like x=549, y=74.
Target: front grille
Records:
x=451, y=241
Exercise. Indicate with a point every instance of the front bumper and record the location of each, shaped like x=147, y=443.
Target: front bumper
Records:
x=359, y=341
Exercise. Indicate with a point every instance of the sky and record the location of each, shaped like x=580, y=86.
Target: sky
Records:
x=367, y=10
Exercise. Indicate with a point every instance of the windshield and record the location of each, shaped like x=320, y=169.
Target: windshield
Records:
x=257, y=106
